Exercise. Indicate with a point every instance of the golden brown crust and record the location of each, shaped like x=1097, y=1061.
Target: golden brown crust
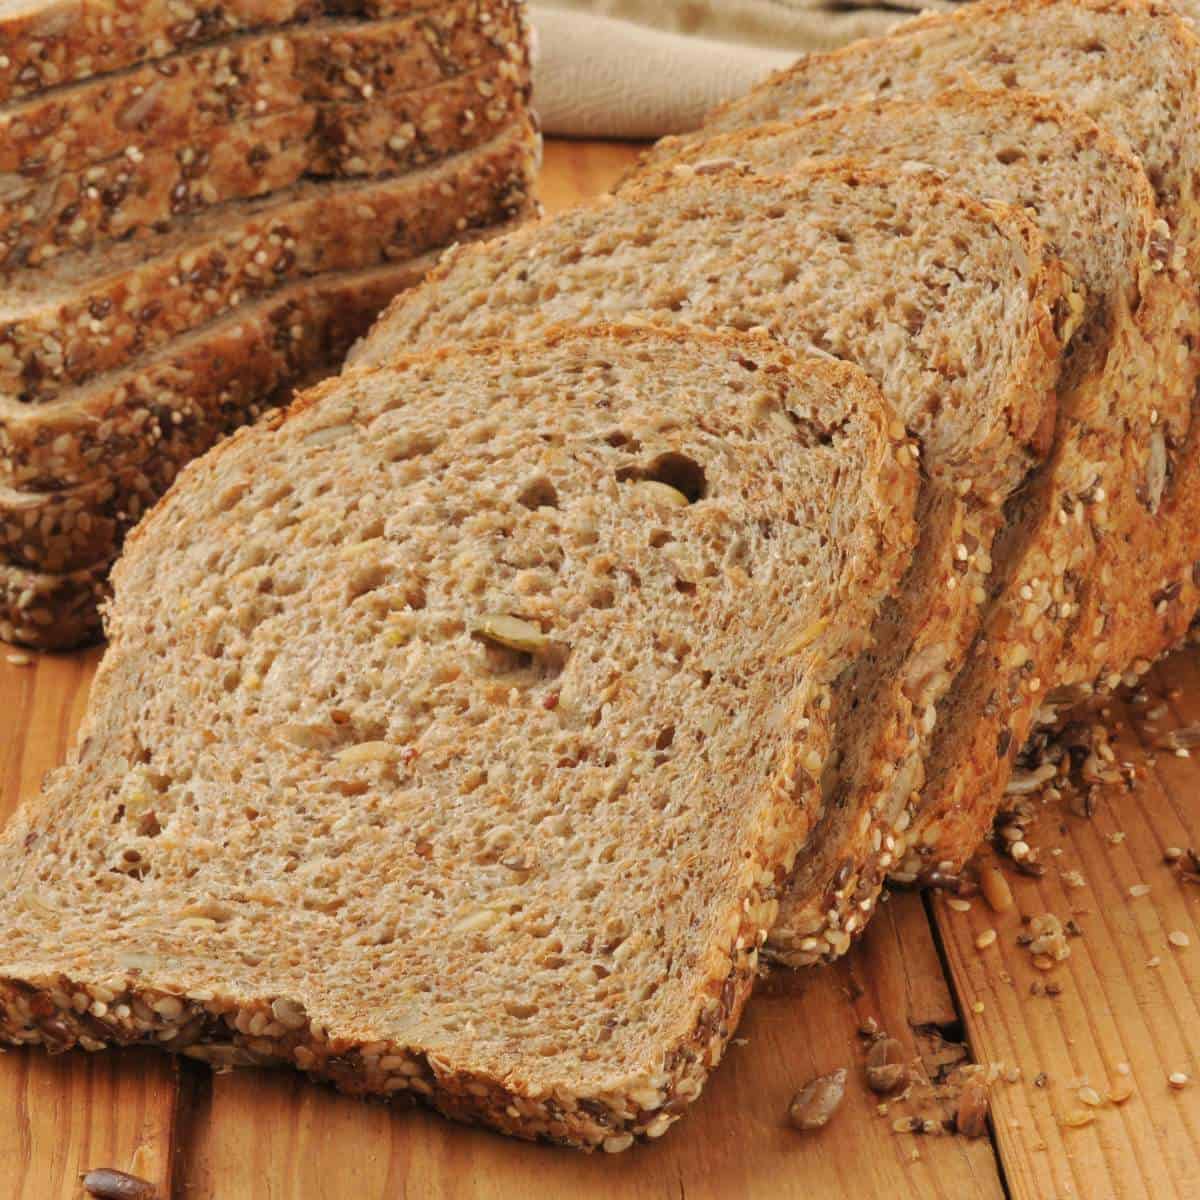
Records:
x=169, y=103
x=54, y=42
x=153, y=189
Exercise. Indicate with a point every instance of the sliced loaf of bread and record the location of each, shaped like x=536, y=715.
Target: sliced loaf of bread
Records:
x=46, y=43
x=146, y=190
x=87, y=313
x=893, y=270
x=457, y=731
x=1135, y=66
x=1093, y=202
x=171, y=101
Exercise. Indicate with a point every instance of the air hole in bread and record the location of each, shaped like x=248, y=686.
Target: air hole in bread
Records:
x=676, y=470
x=1009, y=155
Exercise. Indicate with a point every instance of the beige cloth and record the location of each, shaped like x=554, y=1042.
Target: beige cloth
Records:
x=643, y=68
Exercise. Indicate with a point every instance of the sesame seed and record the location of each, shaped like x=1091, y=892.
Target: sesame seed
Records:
x=1089, y=1095
x=1177, y=1079
x=18, y=660
x=1178, y=938
x=985, y=939
x=958, y=905
x=1139, y=889
x=1172, y=854
x=977, y=1007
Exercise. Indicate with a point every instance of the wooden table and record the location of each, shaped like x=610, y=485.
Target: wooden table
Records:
x=1128, y=1014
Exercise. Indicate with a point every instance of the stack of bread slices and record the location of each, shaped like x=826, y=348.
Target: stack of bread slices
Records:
x=655, y=583
x=201, y=208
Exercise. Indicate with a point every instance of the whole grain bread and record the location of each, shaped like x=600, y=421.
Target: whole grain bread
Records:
x=51, y=610
x=1093, y=202
x=87, y=313
x=46, y=43
x=175, y=404
x=147, y=189
x=891, y=269
x=456, y=731
x=1134, y=66
x=173, y=100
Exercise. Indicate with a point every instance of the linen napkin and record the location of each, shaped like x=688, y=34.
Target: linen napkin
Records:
x=644, y=68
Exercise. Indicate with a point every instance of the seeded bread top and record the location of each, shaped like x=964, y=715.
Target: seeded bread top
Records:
x=1132, y=64
x=950, y=303
x=476, y=709
x=47, y=43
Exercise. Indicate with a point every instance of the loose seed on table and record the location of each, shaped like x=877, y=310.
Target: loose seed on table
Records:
x=814, y=1104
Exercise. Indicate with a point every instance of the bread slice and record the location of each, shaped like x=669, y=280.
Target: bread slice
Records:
x=170, y=101
x=456, y=730
x=1093, y=202
x=1135, y=66
x=46, y=43
x=146, y=190
x=888, y=268
x=86, y=313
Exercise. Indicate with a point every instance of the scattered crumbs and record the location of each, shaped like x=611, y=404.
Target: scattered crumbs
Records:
x=1183, y=752
x=741, y=1041
x=1178, y=1080
x=1119, y=1092
x=18, y=660
x=1123, y=1068
x=977, y=1006
x=1139, y=889
x=1090, y=1097
x=1172, y=854
x=1041, y=1079
x=1073, y=879
x=1178, y=938
x=985, y=939
x=1115, y=839
x=1153, y=961
x=1053, y=989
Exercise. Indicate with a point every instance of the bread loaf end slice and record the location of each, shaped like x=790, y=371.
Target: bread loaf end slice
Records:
x=457, y=730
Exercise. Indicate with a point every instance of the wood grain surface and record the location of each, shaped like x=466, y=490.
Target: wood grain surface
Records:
x=1124, y=1017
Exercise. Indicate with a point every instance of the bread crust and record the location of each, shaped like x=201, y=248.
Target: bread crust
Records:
x=64, y=328
x=51, y=611
x=172, y=101
x=240, y=1017
x=55, y=42
x=146, y=191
